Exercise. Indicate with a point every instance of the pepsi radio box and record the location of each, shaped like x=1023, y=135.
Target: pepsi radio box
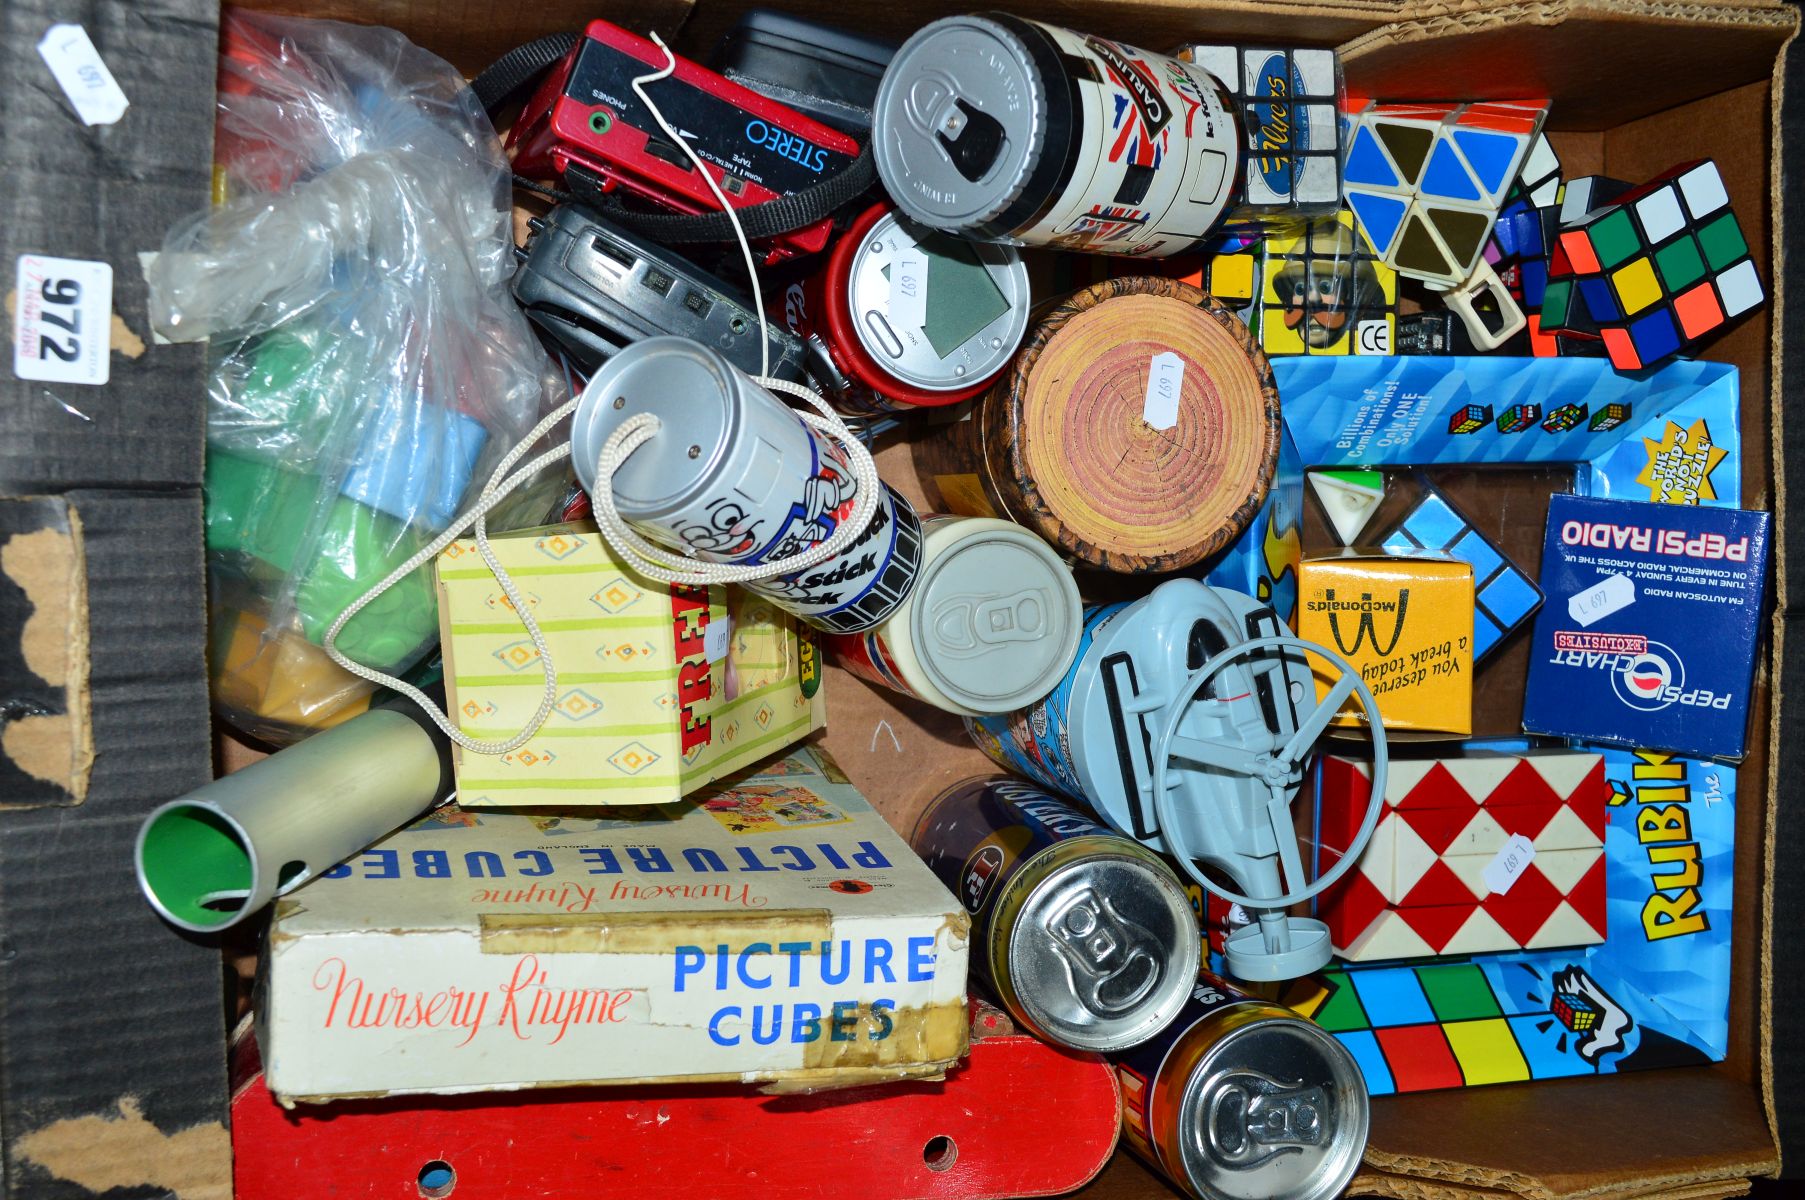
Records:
x=1648, y=635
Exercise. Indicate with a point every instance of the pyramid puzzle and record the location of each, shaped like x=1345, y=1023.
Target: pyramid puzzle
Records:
x=1504, y=597
x=1288, y=104
x=1426, y=181
x=1424, y=884
x=1323, y=291
x=1654, y=272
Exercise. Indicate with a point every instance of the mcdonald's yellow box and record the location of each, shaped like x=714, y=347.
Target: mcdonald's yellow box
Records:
x=661, y=688
x=1406, y=624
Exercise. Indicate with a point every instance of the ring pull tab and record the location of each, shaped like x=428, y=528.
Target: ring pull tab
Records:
x=1251, y=1118
x=967, y=627
x=1114, y=962
x=1460, y=301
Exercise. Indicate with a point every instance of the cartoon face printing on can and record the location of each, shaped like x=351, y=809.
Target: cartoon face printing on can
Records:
x=734, y=476
x=1010, y=130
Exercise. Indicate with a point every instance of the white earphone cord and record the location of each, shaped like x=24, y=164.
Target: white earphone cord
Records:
x=652, y=561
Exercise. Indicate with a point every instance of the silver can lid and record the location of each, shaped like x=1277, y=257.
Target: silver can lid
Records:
x=692, y=391
x=959, y=122
x=976, y=306
x=1104, y=954
x=995, y=618
x=1277, y=1110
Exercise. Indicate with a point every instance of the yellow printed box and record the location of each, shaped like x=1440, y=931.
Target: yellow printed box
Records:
x=1405, y=623
x=661, y=689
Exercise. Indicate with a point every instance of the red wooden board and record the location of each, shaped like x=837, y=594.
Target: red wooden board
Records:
x=1018, y=1118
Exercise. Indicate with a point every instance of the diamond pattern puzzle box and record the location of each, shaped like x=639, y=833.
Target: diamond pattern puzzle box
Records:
x=661, y=689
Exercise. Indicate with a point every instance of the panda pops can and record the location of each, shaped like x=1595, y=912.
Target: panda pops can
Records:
x=991, y=625
x=1239, y=1098
x=1085, y=936
x=734, y=476
x=1010, y=130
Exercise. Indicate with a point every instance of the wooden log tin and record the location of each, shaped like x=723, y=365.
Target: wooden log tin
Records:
x=1061, y=445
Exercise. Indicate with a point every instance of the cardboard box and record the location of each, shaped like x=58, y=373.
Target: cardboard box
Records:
x=112, y=1038
x=661, y=689
x=1405, y=622
x=1649, y=636
x=775, y=930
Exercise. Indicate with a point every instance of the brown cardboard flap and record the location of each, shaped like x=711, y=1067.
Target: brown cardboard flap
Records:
x=46, y=746
x=1603, y=62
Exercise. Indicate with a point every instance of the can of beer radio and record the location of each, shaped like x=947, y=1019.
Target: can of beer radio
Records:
x=734, y=476
x=1090, y=737
x=1243, y=1099
x=991, y=624
x=1013, y=131
x=1138, y=430
x=1086, y=937
x=902, y=316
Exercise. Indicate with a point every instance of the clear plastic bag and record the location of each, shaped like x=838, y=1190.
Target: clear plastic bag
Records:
x=368, y=365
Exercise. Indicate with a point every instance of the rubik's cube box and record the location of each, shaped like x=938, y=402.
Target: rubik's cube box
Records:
x=776, y=929
x=661, y=688
x=1649, y=634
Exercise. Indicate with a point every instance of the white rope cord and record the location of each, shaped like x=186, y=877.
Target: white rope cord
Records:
x=653, y=561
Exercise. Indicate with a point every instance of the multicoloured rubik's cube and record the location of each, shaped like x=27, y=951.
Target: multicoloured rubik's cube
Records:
x=1426, y=883
x=1470, y=418
x=1567, y=416
x=1518, y=249
x=1587, y=194
x=1659, y=270
x=1426, y=181
x=1288, y=102
x=1519, y=417
x=1576, y=1013
x=1609, y=416
x=1323, y=291
x=1503, y=596
x=1561, y=344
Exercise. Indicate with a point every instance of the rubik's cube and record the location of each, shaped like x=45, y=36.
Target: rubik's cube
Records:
x=1519, y=417
x=1588, y=194
x=1518, y=249
x=1426, y=181
x=1470, y=418
x=1609, y=416
x=1567, y=416
x=1233, y=277
x=1562, y=344
x=1576, y=1013
x=1423, y=885
x=1323, y=291
x=1288, y=102
x=1503, y=596
x=1662, y=268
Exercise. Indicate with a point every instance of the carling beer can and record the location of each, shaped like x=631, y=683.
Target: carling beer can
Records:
x=991, y=624
x=1243, y=1099
x=1086, y=937
x=734, y=476
x=1090, y=737
x=903, y=316
x=1014, y=131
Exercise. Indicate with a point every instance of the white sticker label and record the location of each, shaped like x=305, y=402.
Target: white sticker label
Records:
x=1372, y=337
x=909, y=291
x=1613, y=593
x=716, y=639
x=1502, y=873
x=91, y=88
x=1165, y=383
x=62, y=320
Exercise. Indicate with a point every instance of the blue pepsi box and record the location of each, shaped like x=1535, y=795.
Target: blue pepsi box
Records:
x=1650, y=626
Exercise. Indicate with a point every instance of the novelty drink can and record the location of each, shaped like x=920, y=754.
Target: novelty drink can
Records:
x=991, y=624
x=734, y=476
x=1243, y=1099
x=1014, y=131
x=1138, y=430
x=1086, y=937
x=902, y=315
x=1092, y=736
